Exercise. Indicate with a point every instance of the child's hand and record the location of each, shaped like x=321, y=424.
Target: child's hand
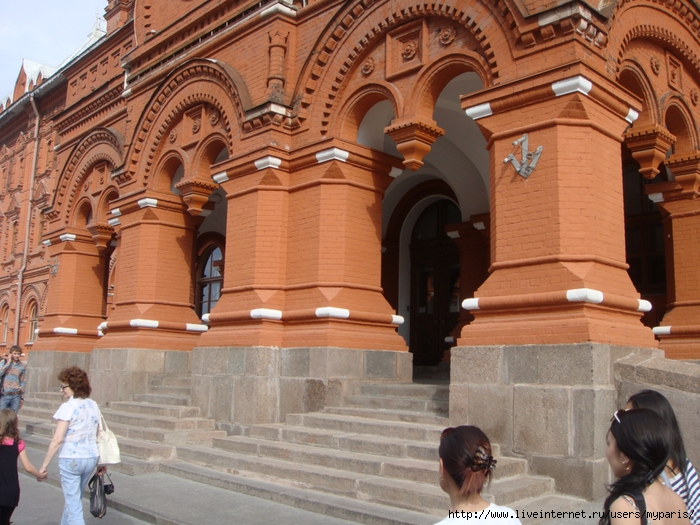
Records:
x=43, y=474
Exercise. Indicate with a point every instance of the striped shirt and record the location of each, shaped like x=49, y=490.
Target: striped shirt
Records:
x=688, y=488
x=13, y=377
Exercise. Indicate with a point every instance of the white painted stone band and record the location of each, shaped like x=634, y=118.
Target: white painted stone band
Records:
x=479, y=111
x=335, y=313
x=116, y=212
x=190, y=327
x=113, y=222
x=65, y=331
x=584, y=295
x=102, y=326
x=220, y=177
x=47, y=242
x=266, y=313
x=148, y=203
x=644, y=306
x=143, y=323
x=397, y=319
x=572, y=85
x=205, y=318
x=268, y=162
x=632, y=116
x=656, y=197
x=332, y=154
x=471, y=304
x=395, y=172
x=661, y=330
x=479, y=226
x=67, y=237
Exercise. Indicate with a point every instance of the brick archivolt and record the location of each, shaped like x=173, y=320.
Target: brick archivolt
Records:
x=102, y=145
x=362, y=25
x=669, y=28
x=197, y=82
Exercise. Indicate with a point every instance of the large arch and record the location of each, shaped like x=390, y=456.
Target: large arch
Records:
x=101, y=145
x=326, y=73
x=209, y=84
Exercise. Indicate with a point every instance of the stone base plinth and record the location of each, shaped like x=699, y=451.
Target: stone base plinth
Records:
x=548, y=403
x=240, y=386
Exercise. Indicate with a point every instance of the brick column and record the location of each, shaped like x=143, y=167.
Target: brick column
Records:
x=250, y=308
x=76, y=293
x=303, y=251
x=558, y=271
x=153, y=302
x=680, y=206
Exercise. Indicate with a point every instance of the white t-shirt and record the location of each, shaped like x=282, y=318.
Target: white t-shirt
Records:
x=81, y=437
x=492, y=514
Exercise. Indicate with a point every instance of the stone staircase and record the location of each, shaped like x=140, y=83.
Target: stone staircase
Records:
x=372, y=460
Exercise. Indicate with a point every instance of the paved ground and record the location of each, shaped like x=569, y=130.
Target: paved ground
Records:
x=163, y=499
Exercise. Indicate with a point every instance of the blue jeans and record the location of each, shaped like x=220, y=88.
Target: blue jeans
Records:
x=75, y=474
x=10, y=401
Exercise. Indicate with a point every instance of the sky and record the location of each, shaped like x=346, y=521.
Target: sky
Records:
x=46, y=31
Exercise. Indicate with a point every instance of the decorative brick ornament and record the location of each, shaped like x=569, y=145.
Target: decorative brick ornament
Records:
x=173, y=136
x=368, y=66
x=694, y=97
x=655, y=65
x=410, y=50
x=447, y=35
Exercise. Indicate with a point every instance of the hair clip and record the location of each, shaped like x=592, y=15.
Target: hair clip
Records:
x=482, y=460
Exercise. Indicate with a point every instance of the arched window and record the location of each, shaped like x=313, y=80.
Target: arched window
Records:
x=5, y=320
x=33, y=315
x=209, y=279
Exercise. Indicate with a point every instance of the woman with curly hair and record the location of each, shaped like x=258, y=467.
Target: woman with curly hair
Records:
x=466, y=464
x=75, y=440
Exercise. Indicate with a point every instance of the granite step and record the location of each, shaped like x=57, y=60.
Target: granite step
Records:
x=416, y=405
x=350, y=509
x=157, y=422
x=407, y=390
x=167, y=437
x=390, y=415
x=375, y=427
x=154, y=409
x=178, y=391
x=411, y=469
x=163, y=399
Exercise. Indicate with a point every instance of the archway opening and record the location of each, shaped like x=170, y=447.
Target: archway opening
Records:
x=435, y=278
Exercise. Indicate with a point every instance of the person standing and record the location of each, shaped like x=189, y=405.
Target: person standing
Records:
x=75, y=440
x=14, y=376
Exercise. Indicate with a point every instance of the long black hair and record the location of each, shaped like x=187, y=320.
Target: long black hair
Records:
x=645, y=438
x=655, y=401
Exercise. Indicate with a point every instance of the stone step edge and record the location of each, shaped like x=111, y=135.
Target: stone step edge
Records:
x=361, y=419
x=444, y=420
x=306, y=499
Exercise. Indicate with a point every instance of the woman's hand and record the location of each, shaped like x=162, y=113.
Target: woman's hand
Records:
x=43, y=474
x=101, y=470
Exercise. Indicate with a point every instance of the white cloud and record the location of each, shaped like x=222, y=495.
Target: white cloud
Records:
x=44, y=31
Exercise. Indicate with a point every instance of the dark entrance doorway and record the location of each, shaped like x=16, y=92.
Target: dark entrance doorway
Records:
x=434, y=283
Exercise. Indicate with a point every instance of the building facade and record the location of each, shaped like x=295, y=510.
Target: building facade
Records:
x=281, y=197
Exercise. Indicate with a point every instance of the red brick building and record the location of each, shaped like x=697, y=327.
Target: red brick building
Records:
x=318, y=151
x=335, y=175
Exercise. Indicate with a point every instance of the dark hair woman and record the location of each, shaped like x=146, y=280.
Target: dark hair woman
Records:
x=75, y=440
x=679, y=475
x=639, y=442
x=466, y=464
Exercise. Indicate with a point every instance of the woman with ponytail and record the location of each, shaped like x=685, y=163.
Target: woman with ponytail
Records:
x=466, y=464
x=638, y=446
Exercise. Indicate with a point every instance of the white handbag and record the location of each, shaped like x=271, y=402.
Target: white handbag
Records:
x=107, y=445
